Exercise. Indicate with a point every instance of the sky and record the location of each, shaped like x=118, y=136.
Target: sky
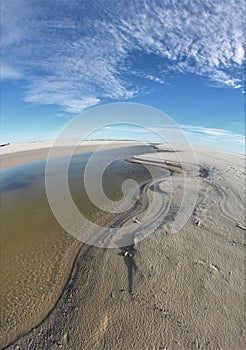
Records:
x=185, y=58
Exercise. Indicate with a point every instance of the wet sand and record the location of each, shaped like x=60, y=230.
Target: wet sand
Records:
x=15, y=154
x=168, y=291
x=36, y=253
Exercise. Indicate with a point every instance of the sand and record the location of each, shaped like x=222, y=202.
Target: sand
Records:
x=20, y=153
x=168, y=291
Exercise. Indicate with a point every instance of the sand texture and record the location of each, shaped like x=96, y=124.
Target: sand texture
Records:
x=168, y=291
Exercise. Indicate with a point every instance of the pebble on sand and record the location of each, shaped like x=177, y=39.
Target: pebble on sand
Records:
x=137, y=220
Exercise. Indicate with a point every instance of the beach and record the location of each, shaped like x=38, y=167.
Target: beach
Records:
x=180, y=290
x=20, y=153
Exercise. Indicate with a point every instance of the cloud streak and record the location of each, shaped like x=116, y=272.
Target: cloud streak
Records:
x=78, y=54
x=205, y=134
x=7, y=72
x=213, y=134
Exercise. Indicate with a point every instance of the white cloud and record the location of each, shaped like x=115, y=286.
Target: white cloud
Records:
x=8, y=72
x=234, y=122
x=221, y=136
x=132, y=129
x=76, y=55
x=239, y=53
x=213, y=133
x=154, y=78
x=53, y=93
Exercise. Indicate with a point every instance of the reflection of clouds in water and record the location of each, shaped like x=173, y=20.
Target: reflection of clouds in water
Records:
x=21, y=176
x=13, y=185
x=25, y=175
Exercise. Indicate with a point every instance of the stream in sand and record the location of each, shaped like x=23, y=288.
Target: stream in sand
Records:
x=36, y=253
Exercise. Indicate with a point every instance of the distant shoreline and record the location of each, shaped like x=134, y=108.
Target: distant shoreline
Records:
x=12, y=154
x=20, y=153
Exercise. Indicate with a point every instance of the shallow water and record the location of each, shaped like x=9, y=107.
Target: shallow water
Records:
x=36, y=253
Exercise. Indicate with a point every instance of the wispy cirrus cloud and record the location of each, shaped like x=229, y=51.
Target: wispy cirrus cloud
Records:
x=76, y=54
x=221, y=135
x=7, y=72
x=204, y=134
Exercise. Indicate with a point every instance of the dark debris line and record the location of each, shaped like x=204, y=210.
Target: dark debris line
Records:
x=128, y=255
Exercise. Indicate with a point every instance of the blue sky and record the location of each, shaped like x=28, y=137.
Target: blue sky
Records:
x=185, y=58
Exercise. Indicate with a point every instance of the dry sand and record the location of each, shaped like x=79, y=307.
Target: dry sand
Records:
x=168, y=291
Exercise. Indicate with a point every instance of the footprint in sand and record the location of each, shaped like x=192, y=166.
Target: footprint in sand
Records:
x=212, y=267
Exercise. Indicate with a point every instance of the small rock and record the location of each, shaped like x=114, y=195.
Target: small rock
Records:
x=213, y=267
x=197, y=223
x=128, y=254
x=137, y=220
x=65, y=337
